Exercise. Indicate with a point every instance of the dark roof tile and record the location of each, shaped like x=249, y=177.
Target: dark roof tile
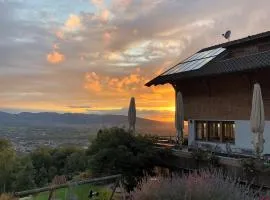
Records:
x=244, y=63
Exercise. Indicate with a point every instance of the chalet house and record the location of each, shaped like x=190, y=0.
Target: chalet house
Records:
x=217, y=85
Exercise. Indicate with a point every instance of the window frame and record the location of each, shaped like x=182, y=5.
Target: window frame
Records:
x=215, y=131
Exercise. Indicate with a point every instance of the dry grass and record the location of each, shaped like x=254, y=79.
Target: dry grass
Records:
x=196, y=186
x=7, y=197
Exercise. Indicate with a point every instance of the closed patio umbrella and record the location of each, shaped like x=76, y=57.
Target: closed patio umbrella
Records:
x=179, y=117
x=132, y=115
x=257, y=122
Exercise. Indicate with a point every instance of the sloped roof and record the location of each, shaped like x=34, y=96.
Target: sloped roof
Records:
x=240, y=41
x=244, y=63
x=221, y=66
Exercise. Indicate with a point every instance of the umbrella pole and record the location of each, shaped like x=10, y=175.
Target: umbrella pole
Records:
x=179, y=137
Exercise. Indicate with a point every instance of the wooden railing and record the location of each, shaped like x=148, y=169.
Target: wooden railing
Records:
x=165, y=141
x=168, y=141
x=55, y=187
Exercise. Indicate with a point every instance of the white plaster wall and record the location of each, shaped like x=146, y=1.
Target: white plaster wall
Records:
x=191, y=131
x=243, y=136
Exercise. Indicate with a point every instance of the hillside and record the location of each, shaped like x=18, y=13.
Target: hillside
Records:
x=90, y=121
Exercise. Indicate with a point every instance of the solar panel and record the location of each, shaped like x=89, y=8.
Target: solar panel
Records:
x=195, y=61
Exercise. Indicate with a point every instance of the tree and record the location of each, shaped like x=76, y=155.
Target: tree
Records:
x=42, y=161
x=24, y=175
x=7, y=163
x=52, y=173
x=41, y=177
x=117, y=151
x=76, y=162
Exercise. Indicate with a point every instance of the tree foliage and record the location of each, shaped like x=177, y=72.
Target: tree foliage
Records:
x=24, y=175
x=38, y=168
x=113, y=151
x=7, y=164
x=117, y=151
x=48, y=163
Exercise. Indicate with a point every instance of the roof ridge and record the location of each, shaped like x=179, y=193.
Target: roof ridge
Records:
x=244, y=56
x=239, y=41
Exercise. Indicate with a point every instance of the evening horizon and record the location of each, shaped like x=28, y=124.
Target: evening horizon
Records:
x=93, y=56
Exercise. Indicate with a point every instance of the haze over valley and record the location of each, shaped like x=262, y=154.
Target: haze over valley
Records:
x=28, y=131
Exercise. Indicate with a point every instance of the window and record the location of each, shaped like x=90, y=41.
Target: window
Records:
x=228, y=129
x=215, y=131
x=201, y=129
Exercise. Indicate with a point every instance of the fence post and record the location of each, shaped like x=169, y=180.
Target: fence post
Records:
x=114, y=188
x=51, y=194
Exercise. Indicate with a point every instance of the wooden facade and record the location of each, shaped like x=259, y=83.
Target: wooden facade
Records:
x=224, y=97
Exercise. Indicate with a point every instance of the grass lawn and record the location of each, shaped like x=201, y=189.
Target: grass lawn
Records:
x=80, y=191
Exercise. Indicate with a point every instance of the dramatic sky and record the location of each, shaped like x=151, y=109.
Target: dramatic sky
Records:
x=92, y=55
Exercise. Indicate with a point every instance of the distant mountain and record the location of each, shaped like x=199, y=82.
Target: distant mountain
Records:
x=46, y=119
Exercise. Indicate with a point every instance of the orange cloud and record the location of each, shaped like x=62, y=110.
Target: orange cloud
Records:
x=93, y=82
x=157, y=103
x=109, y=85
x=160, y=98
x=105, y=16
x=73, y=22
x=55, y=57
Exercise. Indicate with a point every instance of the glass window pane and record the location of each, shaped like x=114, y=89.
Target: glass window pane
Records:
x=203, y=62
x=215, y=131
x=195, y=62
x=187, y=66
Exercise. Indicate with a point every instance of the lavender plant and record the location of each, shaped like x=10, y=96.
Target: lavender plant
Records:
x=203, y=185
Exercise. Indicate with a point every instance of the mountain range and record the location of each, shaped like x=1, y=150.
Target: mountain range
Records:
x=94, y=121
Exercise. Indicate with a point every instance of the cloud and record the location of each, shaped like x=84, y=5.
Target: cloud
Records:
x=97, y=3
x=93, y=82
x=73, y=22
x=120, y=89
x=108, y=85
x=60, y=34
x=55, y=57
x=107, y=37
x=80, y=107
x=104, y=43
x=55, y=46
x=105, y=16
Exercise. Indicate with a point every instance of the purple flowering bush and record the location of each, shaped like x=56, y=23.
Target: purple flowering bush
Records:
x=203, y=185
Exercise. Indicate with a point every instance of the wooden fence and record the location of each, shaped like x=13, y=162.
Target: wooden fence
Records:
x=55, y=187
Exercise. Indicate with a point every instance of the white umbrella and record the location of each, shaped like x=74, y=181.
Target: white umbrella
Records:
x=179, y=116
x=257, y=122
x=132, y=115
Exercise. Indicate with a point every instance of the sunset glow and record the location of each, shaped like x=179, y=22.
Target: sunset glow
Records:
x=92, y=56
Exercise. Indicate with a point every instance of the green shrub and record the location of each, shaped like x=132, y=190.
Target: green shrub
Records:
x=248, y=165
x=199, y=154
x=207, y=157
x=116, y=151
x=204, y=185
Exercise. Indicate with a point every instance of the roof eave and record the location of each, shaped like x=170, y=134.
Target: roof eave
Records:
x=154, y=82
x=161, y=80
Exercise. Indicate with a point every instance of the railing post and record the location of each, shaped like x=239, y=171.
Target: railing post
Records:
x=51, y=194
x=114, y=188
